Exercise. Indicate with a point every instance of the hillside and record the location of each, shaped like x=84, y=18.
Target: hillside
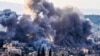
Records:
x=94, y=18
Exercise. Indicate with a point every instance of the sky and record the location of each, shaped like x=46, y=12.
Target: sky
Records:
x=14, y=1
x=84, y=4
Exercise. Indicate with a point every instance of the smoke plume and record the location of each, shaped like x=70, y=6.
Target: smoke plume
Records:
x=43, y=25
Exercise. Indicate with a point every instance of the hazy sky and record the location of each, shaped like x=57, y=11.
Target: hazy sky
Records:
x=84, y=4
x=13, y=1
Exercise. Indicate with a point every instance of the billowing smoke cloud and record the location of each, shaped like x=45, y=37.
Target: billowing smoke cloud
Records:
x=8, y=20
x=38, y=34
x=47, y=26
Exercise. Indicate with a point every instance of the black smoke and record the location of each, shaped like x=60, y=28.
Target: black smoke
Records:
x=51, y=26
x=8, y=20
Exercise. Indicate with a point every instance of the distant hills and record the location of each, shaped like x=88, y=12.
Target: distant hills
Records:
x=96, y=23
x=94, y=18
